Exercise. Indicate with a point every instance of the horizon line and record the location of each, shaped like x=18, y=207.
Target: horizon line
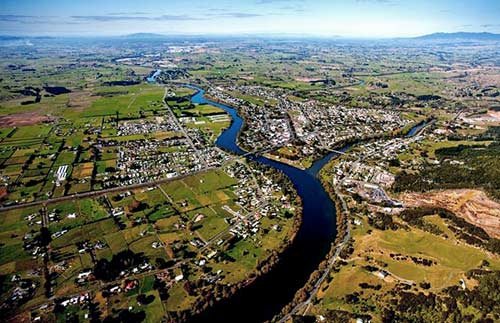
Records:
x=240, y=34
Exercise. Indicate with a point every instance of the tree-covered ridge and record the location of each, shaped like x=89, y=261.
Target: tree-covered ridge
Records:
x=459, y=167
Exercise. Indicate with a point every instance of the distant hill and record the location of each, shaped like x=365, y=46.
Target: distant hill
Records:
x=8, y=37
x=460, y=36
x=5, y=38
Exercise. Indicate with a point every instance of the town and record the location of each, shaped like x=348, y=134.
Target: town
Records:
x=157, y=178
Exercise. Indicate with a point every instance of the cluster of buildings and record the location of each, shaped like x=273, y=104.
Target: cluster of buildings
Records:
x=384, y=152
x=367, y=181
x=142, y=161
x=327, y=126
x=168, y=150
x=61, y=174
x=24, y=289
x=267, y=126
x=146, y=126
x=75, y=300
x=309, y=125
x=258, y=196
x=373, y=193
x=359, y=171
x=365, y=172
x=148, y=60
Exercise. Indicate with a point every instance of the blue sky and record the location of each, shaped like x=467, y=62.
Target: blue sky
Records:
x=349, y=18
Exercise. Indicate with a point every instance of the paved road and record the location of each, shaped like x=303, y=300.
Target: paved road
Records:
x=127, y=187
x=183, y=130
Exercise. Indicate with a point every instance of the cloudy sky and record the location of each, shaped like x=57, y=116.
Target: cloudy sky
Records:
x=349, y=18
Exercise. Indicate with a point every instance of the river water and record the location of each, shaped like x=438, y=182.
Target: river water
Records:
x=269, y=294
x=417, y=128
x=152, y=78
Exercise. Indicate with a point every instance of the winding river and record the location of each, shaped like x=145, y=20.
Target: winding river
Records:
x=267, y=295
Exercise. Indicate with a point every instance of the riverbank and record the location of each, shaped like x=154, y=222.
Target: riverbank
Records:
x=304, y=296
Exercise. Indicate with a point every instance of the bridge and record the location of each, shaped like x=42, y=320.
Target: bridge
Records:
x=335, y=151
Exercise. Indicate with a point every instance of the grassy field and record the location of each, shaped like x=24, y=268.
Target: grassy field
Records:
x=372, y=247
x=126, y=101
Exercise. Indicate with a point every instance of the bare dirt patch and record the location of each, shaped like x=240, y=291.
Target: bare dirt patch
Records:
x=80, y=100
x=489, y=117
x=472, y=205
x=307, y=79
x=23, y=119
x=3, y=192
x=83, y=170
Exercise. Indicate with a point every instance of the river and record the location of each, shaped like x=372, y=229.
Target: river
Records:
x=265, y=297
x=152, y=78
x=416, y=128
